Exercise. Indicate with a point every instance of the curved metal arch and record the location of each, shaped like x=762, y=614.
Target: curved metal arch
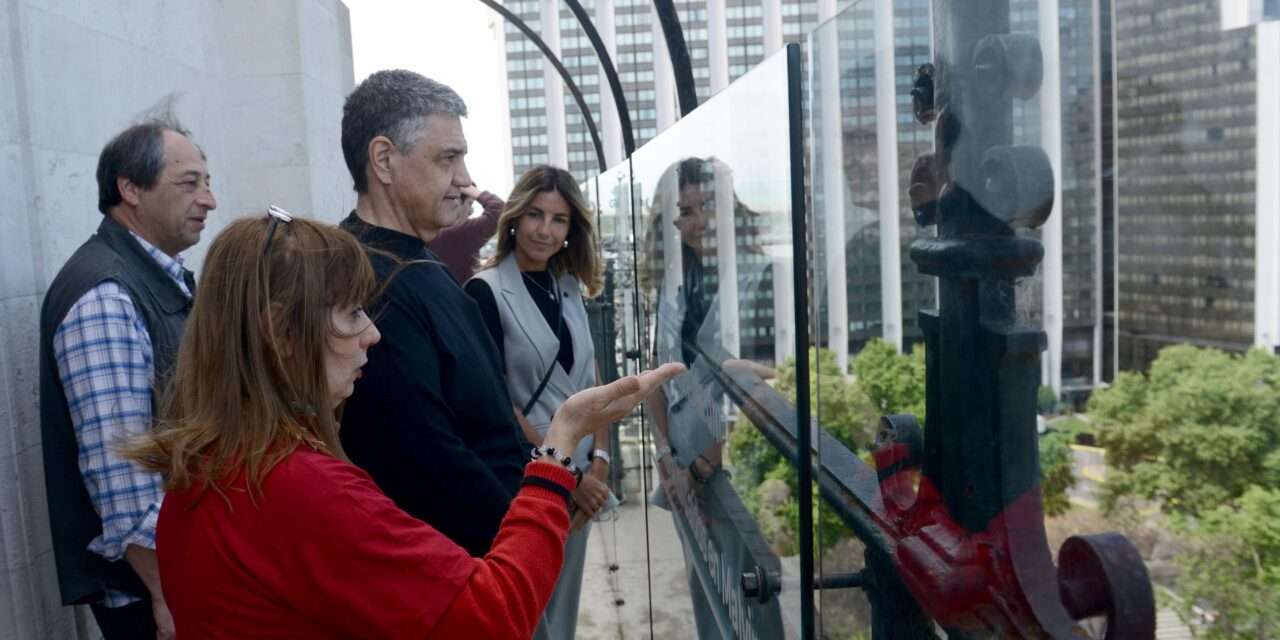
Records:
x=610, y=72
x=564, y=75
x=681, y=66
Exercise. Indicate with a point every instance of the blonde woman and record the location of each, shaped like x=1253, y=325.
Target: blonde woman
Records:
x=530, y=294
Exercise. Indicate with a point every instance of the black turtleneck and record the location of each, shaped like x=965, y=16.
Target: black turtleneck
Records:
x=431, y=412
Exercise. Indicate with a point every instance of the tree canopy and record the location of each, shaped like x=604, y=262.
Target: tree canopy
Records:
x=767, y=482
x=1195, y=432
x=893, y=381
x=1199, y=436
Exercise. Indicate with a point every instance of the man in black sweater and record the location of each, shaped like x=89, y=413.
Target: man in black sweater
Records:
x=430, y=418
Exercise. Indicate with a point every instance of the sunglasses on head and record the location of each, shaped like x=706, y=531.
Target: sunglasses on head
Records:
x=277, y=216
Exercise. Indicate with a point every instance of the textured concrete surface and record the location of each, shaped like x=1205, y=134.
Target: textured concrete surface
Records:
x=649, y=581
x=260, y=84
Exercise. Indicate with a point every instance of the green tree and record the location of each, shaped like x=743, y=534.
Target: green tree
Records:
x=767, y=482
x=1055, y=471
x=841, y=405
x=1195, y=432
x=893, y=381
x=1046, y=400
x=1232, y=567
x=1199, y=436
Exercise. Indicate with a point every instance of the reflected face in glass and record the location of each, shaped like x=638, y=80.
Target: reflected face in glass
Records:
x=351, y=333
x=861, y=169
x=541, y=231
x=691, y=214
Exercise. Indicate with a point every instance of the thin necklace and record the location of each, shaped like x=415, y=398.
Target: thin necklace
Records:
x=550, y=295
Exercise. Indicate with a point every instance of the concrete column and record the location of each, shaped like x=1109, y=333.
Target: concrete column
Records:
x=1051, y=232
x=784, y=310
x=610, y=122
x=664, y=82
x=887, y=174
x=553, y=86
x=828, y=149
x=773, y=23
x=668, y=196
x=71, y=77
x=717, y=46
x=1266, y=306
x=1115, y=195
x=727, y=258
x=1098, y=316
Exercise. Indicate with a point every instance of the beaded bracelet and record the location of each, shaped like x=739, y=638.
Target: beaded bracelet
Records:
x=566, y=461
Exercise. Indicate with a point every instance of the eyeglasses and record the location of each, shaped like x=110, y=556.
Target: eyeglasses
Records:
x=277, y=216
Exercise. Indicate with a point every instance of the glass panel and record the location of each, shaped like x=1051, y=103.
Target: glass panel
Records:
x=1081, y=184
x=857, y=278
x=618, y=590
x=712, y=210
x=985, y=210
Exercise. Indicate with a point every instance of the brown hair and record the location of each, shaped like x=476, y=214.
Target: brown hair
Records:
x=249, y=385
x=579, y=258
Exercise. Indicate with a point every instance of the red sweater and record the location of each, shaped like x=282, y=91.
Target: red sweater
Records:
x=322, y=553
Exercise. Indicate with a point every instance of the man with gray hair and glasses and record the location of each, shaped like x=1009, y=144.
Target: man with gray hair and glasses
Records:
x=109, y=332
x=430, y=419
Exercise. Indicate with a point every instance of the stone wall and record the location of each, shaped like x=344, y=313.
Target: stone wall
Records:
x=260, y=85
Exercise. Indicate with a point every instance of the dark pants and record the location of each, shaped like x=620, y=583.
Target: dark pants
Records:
x=130, y=622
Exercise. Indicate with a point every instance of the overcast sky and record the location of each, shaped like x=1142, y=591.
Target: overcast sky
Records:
x=457, y=42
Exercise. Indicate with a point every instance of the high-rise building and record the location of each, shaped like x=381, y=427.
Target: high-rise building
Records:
x=725, y=39
x=1197, y=173
x=539, y=103
x=881, y=289
x=1070, y=301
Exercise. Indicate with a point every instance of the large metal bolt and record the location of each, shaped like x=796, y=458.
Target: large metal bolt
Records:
x=1011, y=63
x=761, y=584
x=902, y=429
x=1017, y=185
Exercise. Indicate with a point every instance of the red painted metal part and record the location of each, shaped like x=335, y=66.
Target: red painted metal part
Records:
x=1002, y=580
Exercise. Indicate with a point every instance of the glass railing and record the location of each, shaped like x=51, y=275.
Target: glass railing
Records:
x=999, y=205
x=697, y=226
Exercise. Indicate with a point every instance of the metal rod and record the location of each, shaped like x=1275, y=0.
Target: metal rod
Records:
x=610, y=72
x=800, y=249
x=686, y=90
x=855, y=580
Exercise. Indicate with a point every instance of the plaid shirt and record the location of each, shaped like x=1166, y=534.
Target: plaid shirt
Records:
x=105, y=363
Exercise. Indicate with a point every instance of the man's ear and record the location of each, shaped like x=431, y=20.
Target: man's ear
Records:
x=129, y=192
x=381, y=159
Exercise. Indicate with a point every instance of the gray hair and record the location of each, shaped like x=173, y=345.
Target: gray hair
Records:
x=394, y=104
x=137, y=153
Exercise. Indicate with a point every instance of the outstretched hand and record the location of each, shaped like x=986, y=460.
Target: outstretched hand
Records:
x=588, y=410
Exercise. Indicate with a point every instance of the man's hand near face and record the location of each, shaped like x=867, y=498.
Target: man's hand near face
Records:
x=469, y=195
x=458, y=245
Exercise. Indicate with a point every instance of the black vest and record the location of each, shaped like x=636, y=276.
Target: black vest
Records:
x=110, y=254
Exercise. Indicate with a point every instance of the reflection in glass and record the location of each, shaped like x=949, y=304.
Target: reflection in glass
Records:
x=712, y=204
x=708, y=286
